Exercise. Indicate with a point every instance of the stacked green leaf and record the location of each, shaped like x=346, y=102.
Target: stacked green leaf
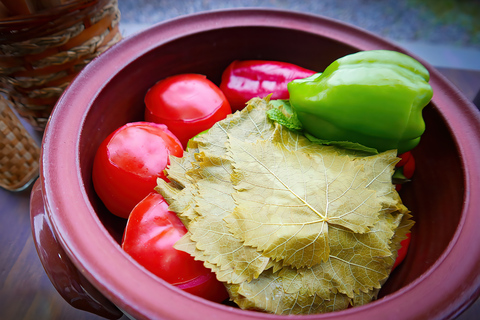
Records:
x=290, y=226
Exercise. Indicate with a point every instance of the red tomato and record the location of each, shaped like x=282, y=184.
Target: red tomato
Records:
x=149, y=237
x=187, y=104
x=128, y=163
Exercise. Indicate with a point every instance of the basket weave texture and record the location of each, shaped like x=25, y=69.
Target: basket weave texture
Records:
x=40, y=54
x=19, y=152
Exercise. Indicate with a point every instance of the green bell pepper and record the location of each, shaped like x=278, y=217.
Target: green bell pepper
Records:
x=374, y=98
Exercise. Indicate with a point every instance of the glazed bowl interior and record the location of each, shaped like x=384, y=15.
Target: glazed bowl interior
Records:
x=437, y=206
x=123, y=97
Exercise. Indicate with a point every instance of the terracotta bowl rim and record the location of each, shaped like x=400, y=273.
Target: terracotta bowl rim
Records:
x=78, y=233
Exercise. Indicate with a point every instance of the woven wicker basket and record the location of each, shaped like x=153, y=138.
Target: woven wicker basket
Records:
x=19, y=152
x=41, y=53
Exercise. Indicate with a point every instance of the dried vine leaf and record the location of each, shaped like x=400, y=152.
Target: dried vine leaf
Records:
x=266, y=293
x=290, y=226
x=221, y=248
x=379, y=169
x=250, y=124
x=212, y=182
x=286, y=200
x=210, y=232
x=357, y=262
x=179, y=167
x=401, y=232
x=235, y=261
x=180, y=191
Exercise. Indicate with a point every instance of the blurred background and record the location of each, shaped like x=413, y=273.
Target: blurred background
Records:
x=446, y=33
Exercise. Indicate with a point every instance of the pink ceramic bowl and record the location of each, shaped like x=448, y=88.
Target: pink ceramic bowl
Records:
x=78, y=240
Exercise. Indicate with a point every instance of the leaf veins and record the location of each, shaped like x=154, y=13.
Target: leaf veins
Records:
x=290, y=226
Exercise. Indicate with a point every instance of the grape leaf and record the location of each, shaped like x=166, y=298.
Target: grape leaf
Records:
x=290, y=226
x=401, y=232
x=179, y=167
x=210, y=231
x=250, y=124
x=356, y=263
x=266, y=293
x=182, y=202
x=180, y=191
x=286, y=200
x=211, y=172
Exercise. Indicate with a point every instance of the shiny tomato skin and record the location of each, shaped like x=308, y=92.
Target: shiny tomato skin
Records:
x=128, y=163
x=187, y=104
x=149, y=236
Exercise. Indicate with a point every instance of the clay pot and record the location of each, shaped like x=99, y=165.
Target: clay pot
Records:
x=78, y=240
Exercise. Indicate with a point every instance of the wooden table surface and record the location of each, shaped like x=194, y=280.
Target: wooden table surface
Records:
x=26, y=291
